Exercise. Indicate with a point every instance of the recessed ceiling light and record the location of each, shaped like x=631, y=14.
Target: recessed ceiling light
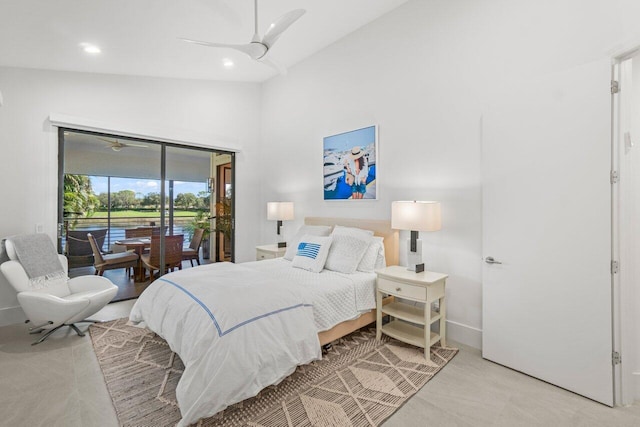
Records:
x=90, y=48
x=227, y=63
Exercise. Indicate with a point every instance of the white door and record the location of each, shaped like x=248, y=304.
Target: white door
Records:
x=547, y=218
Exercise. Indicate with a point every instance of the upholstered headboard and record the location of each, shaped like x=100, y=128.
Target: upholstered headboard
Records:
x=379, y=227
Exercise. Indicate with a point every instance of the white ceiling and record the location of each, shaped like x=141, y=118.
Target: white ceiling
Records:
x=139, y=37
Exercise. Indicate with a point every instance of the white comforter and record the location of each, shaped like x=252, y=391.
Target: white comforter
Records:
x=236, y=329
x=336, y=297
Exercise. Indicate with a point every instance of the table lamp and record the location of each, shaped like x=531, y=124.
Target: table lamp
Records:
x=415, y=216
x=280, y=211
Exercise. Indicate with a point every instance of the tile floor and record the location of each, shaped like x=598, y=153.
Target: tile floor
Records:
x=59, y=383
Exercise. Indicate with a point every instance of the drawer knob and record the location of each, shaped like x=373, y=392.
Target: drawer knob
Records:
x=398, y=289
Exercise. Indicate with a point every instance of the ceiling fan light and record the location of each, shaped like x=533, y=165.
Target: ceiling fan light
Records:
x=116, y=147
x=256, y=50
x=90, y=48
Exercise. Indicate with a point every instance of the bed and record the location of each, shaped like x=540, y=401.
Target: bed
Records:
x=241, y=327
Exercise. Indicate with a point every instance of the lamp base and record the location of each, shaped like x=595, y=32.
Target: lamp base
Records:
x=414, y=258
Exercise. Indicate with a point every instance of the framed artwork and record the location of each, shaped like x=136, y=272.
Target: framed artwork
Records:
x=350, y=165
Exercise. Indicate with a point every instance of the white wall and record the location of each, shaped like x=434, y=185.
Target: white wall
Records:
x=425, y=73
x=28, y=143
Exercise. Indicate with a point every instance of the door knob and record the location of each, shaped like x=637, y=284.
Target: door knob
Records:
x=490, y=260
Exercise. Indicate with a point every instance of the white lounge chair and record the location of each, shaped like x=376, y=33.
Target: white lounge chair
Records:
x=61, y=304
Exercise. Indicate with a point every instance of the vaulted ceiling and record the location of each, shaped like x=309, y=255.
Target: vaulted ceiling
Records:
x=140, y=37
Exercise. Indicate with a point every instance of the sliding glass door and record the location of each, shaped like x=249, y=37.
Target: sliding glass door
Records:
x=111, y=185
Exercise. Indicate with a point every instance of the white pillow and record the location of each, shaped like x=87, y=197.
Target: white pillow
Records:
x=369, y=261
x=347, y=249
x=312, y=252
x=381, y=261
x=314, y=230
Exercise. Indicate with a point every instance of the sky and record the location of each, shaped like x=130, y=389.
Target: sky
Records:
x=144, y=186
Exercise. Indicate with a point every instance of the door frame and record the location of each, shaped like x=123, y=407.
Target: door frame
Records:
x=221, y=171
x=625, y=340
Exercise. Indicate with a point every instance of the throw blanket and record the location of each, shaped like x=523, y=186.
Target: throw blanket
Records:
x=237, y=331
x=39, y=259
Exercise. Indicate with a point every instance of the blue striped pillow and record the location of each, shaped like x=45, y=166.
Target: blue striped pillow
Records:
x=312, y=252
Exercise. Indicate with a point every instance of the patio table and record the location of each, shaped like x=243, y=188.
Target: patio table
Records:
x=138, y=245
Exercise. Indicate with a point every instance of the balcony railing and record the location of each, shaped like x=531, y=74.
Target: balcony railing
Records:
x=118, y=226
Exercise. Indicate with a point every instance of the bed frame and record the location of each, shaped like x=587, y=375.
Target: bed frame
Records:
x=380, y=228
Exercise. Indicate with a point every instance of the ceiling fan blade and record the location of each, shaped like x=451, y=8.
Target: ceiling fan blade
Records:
x=129, y=144
x=254, y=50
x=110, y=141
x=210, y=44
x=277, y=28
x=276, y=66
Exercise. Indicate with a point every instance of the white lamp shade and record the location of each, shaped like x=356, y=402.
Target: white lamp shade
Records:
x=416, y=216
x=280, y=211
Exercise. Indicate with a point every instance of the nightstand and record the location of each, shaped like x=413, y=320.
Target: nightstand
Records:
x=425, y=287
x=269, y=252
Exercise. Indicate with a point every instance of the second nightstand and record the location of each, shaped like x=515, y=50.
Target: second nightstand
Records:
x=269, y=252
x=425, y=287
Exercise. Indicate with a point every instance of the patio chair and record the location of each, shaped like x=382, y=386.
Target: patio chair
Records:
x=172, y=254
x=113, y=261
x=131, y=233
x=193, y=251
x=78, y=249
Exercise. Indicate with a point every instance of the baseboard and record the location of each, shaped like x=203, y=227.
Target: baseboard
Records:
x=464, y=334
x=635, y=377
x=11, y=315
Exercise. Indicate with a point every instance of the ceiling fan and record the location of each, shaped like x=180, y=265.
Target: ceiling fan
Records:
x=116, y=145
x=258, y=48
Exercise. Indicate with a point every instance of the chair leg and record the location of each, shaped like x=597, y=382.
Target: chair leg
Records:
x=75, y=328
x=198, y=260
x=45, y=336
x=191, y=261
x=50, y=331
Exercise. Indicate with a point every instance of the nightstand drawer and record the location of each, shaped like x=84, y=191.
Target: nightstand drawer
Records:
x=260, y=255
x=402, y=289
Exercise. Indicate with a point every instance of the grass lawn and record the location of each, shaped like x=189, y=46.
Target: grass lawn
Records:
x=145, y=214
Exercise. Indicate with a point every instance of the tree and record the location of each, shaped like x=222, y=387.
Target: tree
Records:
x=151, y=199
x=79, y=199
x=123, y=199
x=203, y=200
x=185, y=200
x=104, y=200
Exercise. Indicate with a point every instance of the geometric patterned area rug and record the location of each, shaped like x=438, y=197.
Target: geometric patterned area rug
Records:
x=360, y=382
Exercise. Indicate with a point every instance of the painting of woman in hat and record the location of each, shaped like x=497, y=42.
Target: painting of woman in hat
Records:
x=350, y=165
x=357, y=167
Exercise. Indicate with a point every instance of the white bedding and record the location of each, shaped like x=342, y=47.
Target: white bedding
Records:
x=336, y=297
x=236, y=329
